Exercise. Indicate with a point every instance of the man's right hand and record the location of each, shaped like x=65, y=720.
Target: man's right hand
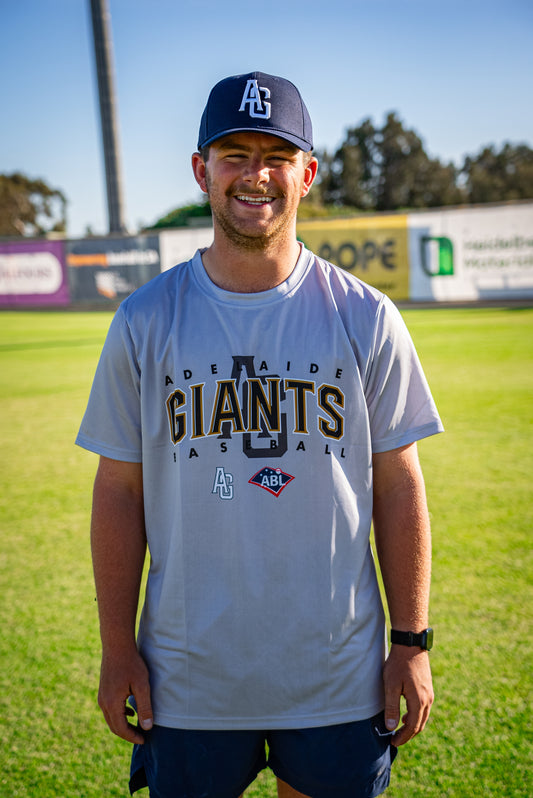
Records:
x=121, y=676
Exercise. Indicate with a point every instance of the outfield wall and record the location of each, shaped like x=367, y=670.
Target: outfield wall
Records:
x=445, y=255
x=91, y=271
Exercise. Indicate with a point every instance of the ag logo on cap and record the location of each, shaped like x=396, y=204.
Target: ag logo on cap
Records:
x=258, y=107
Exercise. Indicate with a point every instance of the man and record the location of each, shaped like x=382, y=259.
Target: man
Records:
x=254, y=408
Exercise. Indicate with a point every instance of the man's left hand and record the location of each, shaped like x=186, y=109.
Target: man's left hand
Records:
x=407, y=672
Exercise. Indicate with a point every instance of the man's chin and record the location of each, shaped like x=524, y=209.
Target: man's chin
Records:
x=251, y=243
x=248, y=238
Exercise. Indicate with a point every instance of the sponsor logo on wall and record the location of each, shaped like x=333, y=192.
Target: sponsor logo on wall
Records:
x=109, y=269
x=373, y=248
x=33, y=273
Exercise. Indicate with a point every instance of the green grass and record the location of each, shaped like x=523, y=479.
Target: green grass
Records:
x=53, y=740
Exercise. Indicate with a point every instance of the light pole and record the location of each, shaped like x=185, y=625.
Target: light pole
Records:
x=108, y=114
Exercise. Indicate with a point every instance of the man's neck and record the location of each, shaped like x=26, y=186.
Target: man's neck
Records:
x=243, y=271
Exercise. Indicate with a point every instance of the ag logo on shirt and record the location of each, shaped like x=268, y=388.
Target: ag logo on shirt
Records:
x=223, y=484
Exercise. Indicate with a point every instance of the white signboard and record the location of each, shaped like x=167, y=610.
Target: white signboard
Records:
x=479, y=253
x=176, y=246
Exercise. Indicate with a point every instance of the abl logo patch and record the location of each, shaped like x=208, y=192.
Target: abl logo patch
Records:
x=274, y=480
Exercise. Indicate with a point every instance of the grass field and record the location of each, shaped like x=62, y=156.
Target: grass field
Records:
x=53, y=740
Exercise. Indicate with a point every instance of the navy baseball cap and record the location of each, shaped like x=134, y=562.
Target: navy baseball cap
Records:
x=258, y=102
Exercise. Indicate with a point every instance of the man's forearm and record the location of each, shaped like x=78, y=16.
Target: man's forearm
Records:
x=118, y=544
x=403, y=538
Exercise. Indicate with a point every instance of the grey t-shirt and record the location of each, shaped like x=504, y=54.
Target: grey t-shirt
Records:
x=255, y=417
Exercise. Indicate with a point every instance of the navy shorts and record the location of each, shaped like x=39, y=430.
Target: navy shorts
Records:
x=349, y=760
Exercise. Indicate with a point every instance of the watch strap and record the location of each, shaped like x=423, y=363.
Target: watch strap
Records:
x=423, y=640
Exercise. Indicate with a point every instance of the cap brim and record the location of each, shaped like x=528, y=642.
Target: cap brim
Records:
x=281, y=134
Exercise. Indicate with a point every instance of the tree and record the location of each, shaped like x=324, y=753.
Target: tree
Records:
x=493, y=176
x=349, y=177
x=184, y=216
x=408, y=177
x=30, y=207
x=385, y=169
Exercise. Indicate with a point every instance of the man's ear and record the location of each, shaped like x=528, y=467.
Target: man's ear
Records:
x=199, y=171
x=309, y=176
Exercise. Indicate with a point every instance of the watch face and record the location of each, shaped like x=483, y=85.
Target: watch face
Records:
x=428, y=634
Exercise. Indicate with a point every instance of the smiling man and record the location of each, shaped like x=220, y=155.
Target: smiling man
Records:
x=254, y=410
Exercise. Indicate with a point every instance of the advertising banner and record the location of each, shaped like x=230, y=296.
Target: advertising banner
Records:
x=107, y=270
x=374, y=248
x=177, y=246
x=466, y=254
x=33, y=273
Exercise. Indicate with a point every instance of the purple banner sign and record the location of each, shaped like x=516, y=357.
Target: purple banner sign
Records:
x=33, y=273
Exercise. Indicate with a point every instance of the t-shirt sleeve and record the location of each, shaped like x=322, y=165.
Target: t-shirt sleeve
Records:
x=111, y=425
x=400, y=406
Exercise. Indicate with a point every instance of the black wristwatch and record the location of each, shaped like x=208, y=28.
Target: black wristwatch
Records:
x=422, y=639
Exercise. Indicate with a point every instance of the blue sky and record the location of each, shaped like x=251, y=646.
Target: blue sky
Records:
x=459, y=73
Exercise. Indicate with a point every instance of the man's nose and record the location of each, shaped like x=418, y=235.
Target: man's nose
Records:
x=256, y=171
